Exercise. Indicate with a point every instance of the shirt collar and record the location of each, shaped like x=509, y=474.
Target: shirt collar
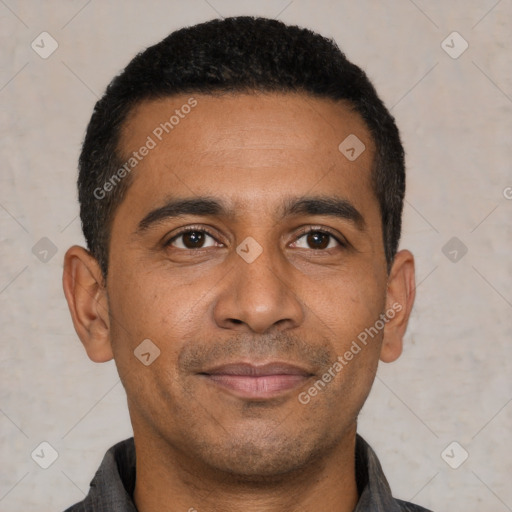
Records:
x=113, y=484
x=374, y=491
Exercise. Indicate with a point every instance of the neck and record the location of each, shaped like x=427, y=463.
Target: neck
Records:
x=167, y=479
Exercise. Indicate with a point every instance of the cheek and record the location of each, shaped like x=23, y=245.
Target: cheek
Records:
x=143, y=306
x=360, y=301
x=169, y=308
x=149, y=308
x=343, y=304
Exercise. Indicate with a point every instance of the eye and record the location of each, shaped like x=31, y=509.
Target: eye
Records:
x=319, y=239
x=200, y=238
x=192, y=238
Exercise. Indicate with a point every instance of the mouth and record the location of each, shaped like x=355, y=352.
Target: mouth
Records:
x=257, y=381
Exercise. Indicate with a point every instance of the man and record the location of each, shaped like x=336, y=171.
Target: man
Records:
x=241, y=189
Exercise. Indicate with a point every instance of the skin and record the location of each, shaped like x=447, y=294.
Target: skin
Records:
x=301, y=301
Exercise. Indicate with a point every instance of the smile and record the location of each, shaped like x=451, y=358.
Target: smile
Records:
x=257, y=381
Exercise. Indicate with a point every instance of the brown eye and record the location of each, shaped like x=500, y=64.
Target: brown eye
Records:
x=318, y=240
x=191, y=239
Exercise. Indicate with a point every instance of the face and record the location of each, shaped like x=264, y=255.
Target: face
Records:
x=249, y=250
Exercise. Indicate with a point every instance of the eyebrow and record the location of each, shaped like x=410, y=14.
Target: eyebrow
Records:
x=331, y=206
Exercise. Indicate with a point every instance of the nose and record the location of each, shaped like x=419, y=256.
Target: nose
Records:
x=258, y=296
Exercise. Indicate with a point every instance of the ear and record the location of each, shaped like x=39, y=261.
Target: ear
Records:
x=86, y=294
x=400, y=295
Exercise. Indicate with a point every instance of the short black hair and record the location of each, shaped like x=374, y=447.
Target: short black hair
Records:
x=237, y=54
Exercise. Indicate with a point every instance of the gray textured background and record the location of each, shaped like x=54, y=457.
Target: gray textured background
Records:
x=453, y=381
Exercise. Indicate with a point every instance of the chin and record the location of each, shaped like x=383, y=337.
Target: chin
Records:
x=261, y=459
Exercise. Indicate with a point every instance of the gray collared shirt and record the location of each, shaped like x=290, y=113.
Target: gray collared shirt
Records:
x=113, y=484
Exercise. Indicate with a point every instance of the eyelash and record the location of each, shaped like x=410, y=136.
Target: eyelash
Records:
x=302, y=232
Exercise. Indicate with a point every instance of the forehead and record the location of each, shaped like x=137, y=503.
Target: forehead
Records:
x=256, y=117
x=248, y=148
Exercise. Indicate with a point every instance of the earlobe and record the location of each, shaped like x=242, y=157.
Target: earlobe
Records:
x=401, y=291
x=86, y=295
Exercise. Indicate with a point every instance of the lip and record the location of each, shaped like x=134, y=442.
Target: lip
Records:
x=257, y=381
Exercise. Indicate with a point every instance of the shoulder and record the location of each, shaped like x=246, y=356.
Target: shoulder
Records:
x=405, y=506
x=111, y=489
